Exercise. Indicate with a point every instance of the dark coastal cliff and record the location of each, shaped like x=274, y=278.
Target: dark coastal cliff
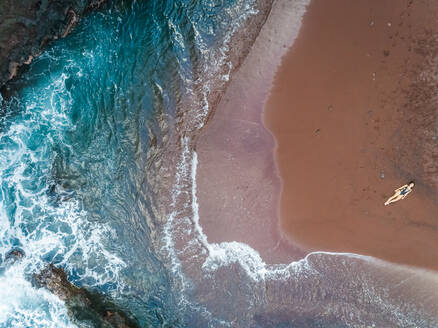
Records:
x=27, y=26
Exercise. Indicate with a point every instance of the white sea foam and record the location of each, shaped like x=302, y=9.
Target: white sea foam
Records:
x=24, y=306
x=198, y=259
x=47, y=230
x=217, y=70
x=215, y=65
x=224, y=254
x=169, y=245
x=193, y=257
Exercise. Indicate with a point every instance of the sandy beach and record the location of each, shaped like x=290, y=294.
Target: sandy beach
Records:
x=353, y=114
x=237, y=178
x=336, y=106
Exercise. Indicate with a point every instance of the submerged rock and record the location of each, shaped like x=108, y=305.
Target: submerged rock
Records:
x=12, y=257
x=27, y=26
x=85, y=308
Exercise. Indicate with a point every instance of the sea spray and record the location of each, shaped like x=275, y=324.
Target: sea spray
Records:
x=82, y=126
x=229, y=285
x=255, y=293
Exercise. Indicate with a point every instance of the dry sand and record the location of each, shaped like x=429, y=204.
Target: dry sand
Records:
x=353, y=110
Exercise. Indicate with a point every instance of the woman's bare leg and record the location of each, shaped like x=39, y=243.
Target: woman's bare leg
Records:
x=393, y=199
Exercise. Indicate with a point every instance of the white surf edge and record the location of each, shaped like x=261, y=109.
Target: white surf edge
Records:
x=219, y=255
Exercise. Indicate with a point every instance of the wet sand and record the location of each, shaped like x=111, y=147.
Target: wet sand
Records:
x=238, y=193
x=353, y=114
x=237, y=179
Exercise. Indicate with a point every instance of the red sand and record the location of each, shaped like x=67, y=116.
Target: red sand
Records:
x=352, y=124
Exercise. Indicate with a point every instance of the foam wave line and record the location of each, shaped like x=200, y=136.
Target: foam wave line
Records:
x=346, y=286
x=229, y=285
x=37, y=215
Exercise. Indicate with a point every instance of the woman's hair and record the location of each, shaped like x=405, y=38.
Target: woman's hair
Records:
x=411, y=182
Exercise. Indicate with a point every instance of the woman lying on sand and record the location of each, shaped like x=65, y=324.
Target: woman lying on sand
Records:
x=400, y=193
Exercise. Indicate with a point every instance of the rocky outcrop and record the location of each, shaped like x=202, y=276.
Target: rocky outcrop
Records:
x=27, y=26
x=85, y=308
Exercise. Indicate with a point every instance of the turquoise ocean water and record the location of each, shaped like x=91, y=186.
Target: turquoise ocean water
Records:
x=75, y=131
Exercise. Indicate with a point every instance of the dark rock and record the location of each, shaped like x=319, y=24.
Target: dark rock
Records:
x=55, y=280
x=27, y=26
x=85, y=307
x=15, y=254
x=12, y=257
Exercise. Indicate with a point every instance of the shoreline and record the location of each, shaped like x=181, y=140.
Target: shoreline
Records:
x=268, y=283
x=236, y=138
x=369, y=64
